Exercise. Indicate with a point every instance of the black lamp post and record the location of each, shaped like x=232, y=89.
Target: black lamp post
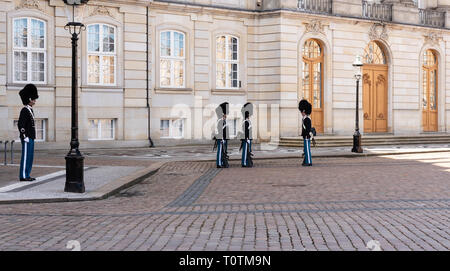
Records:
x=357, y=136
x=74, y=159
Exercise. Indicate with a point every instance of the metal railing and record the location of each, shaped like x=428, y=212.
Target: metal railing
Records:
x=430, y=17
x=315, y=6
x=5, y=143
x=378, y=11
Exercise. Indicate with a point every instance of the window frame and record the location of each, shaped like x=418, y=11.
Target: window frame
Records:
x=101, y=54
x=171, y=127
x=227, y=62
x=29, y=50
x=377, y=54
x=172, y=59
x=428, y=70
x=99, y=129
x=235, y=121
x=311, y=62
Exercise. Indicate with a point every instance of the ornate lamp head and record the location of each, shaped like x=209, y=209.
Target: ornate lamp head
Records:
x=74, y=21
x=358, y=67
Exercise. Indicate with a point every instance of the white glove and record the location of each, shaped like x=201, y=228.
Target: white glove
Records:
x=26, y=139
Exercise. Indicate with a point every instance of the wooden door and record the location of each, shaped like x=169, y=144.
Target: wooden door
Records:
x=312, y=81
x=375, y=98
x=430, y=93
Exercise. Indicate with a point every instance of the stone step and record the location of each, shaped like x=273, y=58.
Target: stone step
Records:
x=368, y=140
x=374, y=140
x=351, y=143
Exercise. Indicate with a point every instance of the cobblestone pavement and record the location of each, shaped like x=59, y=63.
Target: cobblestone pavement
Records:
x=401, y=201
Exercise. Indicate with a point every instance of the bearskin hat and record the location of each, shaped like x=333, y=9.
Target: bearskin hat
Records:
x=28, y=93
x=248, y=107
x=222, y=109
x=305, y=106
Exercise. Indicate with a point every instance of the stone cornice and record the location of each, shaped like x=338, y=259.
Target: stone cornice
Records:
x=108, y=3
x=120, y=2
x=177, y=6
x=174, y=6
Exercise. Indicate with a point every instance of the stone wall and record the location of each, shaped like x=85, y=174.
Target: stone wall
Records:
x=270, y=44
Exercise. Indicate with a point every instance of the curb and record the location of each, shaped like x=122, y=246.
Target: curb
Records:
x=103, y=192
x=349, y=155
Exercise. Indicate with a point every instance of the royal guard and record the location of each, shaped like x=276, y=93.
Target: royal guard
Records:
x=27, y=129
x=222, y=136
x=246, y=138
x=306, y=108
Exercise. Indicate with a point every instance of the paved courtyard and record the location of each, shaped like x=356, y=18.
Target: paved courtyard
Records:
x=401, y=202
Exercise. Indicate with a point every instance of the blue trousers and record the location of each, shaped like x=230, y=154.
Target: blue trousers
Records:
x=307, y=151
x=26, y=162
x=222, y=145
x=246, y=148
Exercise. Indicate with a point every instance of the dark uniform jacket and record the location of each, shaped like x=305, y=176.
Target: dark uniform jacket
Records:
x=222, y=129
x=26, y=124
x=247, y=127
x=306, y=127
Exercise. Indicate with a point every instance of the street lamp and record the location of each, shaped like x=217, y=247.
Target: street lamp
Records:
x=357, y=136
x=74, y=159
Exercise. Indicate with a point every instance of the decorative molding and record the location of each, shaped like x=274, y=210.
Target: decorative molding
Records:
x=102, y=10
x=315, y=27
x=433, y=38
x=378, y=31
x=31, y=4
x=380, y=79
x=366, y=79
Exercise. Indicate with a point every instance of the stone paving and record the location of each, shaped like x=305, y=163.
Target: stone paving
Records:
x=401, y=201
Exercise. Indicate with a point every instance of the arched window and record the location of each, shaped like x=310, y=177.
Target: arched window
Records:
x=312, y=72
x=227, y=62
x=29, y=50
x=172, y=59
x=430, y=91
x=101, y=40
x=429, y=73
x=373, y=54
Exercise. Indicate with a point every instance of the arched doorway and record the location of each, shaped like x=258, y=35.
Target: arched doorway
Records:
x=430, y=91
x=375, y=89
x=312, y=80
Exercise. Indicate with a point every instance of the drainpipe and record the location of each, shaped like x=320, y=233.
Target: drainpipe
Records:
x=150, y=141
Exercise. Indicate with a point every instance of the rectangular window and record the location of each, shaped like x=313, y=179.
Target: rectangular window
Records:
x=102, y=129
x=233, y=124
x=173, y=128
x=164, y=128
x=227, y=62
x=41, y=129
x=172, y=59
x=101, y=55
x=29, y=50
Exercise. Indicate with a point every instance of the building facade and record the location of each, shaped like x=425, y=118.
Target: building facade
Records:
x=159, y=68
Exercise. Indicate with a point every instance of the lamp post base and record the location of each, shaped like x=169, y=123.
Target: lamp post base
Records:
x=357, y=143
x=74, y=173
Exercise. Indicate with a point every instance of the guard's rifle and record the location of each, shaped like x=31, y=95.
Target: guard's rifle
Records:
x=313, y=133
x=215, y=143
x=242, y=144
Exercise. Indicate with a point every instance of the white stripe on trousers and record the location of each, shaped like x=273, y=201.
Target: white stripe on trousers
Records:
x=24, y=159
x=220, y=153
x=308, y=150
x=245, y=156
